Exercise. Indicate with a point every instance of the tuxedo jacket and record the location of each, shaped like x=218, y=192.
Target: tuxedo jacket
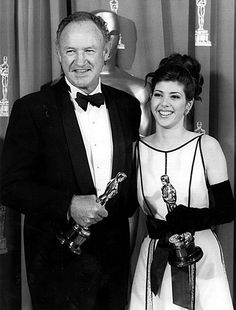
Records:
x=44, y=164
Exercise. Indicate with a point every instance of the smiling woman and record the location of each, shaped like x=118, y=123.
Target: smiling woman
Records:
x=169, y=104
x=190, y=161
x=174, y=90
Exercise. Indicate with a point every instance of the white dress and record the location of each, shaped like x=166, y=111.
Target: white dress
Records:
x=185, y=168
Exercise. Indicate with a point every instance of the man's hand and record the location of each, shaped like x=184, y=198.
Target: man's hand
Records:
x=86, y=211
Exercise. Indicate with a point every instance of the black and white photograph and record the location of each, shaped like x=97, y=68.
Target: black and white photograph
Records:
x=117, y=154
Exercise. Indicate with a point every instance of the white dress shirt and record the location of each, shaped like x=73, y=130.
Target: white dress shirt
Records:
x=95, y=128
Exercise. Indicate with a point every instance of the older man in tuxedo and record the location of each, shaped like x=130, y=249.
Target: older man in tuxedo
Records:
x=60, y=151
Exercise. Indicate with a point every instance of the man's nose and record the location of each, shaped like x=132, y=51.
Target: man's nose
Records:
x=80, y=58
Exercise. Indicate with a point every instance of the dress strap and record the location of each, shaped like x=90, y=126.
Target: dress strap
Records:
x=198, y=144
x=201, y=153
x=141, y=180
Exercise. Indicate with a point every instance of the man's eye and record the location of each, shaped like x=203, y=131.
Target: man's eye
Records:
x=90, y=51
x=70, y=52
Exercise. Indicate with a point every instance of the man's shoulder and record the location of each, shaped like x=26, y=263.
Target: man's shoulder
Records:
x=116, y=92
x=31, y=97
x=38, y=98
x=128, y=105
x=53, y=85
x=109, y=89
x=45, y=88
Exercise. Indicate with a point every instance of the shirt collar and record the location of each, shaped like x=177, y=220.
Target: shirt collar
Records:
x=74, y=90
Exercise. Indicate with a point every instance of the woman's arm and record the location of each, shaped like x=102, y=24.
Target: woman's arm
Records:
x=183, y=219
x=214, y=159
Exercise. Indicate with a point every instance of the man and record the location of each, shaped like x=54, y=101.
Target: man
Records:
x=58, y=157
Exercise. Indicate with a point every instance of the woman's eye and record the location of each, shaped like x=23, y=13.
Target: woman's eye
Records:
x=175, y=97
x=157, y=95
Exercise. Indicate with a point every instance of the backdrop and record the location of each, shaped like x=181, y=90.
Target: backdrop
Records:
x=150, y=29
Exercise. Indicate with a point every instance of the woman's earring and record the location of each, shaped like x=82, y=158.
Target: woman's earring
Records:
x=186, y=111
x=188, y=107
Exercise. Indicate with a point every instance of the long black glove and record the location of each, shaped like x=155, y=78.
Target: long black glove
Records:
x=158, y=229
x=183, y=219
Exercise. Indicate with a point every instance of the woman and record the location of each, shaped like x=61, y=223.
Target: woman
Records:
x=193, y=165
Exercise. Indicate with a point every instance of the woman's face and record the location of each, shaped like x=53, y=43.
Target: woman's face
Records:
x=168, y=104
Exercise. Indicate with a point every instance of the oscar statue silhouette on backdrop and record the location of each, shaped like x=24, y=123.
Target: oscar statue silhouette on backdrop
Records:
x=116, y=77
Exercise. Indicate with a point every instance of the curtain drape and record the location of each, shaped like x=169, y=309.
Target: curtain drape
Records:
x=150, y=30
x=10, y=284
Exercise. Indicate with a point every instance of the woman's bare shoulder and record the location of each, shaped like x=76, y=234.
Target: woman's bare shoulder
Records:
x=210, y=144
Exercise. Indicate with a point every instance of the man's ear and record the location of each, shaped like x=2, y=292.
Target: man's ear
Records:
x=106, y=51
x=58, y=53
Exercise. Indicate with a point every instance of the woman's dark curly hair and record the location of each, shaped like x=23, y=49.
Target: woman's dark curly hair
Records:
x=182, y=68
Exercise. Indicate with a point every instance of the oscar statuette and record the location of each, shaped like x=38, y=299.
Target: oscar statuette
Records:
x=183, y=251
x=77, y=234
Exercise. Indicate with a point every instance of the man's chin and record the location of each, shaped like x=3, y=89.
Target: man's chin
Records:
x=81, y=83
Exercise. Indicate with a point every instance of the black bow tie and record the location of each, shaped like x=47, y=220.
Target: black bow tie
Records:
x=97, y=100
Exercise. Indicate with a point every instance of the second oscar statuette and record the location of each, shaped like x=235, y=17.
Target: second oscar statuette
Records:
x=183, y=250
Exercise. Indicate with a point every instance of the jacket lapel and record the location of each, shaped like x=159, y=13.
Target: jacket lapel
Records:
x=74, y=139
x=117, y=131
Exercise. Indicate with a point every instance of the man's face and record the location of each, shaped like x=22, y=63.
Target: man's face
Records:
x=82, y=51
